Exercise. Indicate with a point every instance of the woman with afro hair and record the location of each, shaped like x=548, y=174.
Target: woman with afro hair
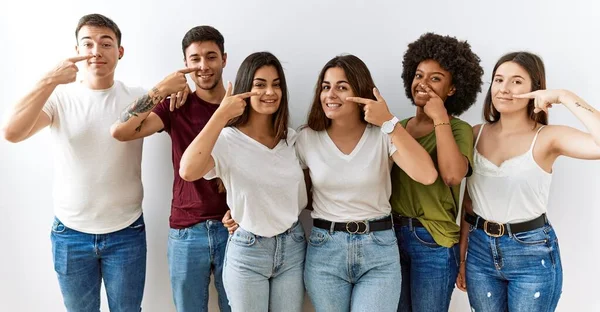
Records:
x=442, y=77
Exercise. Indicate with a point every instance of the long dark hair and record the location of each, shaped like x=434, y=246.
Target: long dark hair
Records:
x=359, y=78
x=534, y=66
x=243, y=83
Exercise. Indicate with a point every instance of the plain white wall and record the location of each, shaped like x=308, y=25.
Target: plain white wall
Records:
x=35, y=35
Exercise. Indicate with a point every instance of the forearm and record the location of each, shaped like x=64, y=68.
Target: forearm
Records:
x=132, y=118
x=26, y=112
x=412, y=157
x=588, y=115
x=196, y=159
x=452, y=164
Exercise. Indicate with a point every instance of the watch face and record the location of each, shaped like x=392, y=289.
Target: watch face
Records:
x=386, y=127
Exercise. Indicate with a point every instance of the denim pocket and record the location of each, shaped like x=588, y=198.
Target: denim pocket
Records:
x=318, y=237
x=384, y=238
x=472, y=228
x=58, y=227
x=243, y=238
x=533, y=237
x=297, y=234
x=178, y=233
x=423, y=237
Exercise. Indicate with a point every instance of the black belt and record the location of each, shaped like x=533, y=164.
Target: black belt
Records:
x=498, y=229
x=355, y=227
x=406, y=221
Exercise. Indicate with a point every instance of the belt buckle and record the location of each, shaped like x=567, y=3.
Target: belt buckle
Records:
x=500, y=227
x=357, y=224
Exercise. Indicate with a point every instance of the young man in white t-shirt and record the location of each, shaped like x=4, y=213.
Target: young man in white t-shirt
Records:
x=98, y=233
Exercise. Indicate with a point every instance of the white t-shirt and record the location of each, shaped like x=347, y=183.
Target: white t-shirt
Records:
x=265, y=187
x=97, y=179
x=348, y=187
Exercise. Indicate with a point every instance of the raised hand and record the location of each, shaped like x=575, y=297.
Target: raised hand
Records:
x=434, y=108
x=175, y=82
x=66, y=71
x=376, y=111
x=543, y=99
x=178, y=99
x=233, y=105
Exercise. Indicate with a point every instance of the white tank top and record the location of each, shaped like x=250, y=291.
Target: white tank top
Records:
x=516, y=191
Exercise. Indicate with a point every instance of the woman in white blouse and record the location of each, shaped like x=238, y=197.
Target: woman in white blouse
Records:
x=248, y=145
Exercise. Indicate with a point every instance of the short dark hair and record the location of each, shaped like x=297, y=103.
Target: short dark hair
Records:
x=244, y=82
x=98, y=20
x=359, y=78
x=454, y=56
x=534, y=66
x=203, y=33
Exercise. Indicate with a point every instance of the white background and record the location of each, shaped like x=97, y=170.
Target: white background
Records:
x=304, y=35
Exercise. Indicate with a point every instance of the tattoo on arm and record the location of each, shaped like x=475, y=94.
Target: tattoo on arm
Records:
x=139, y=128
x=141, y=105
x=584, y=107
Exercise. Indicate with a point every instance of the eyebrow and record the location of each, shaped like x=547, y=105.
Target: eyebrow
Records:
x=341, y=81
x=439, y=73
x=265, y=80
x=197, y=55
x=102, y=37
x=515, y=76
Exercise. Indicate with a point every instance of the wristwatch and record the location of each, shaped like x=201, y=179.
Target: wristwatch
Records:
x=388, y=126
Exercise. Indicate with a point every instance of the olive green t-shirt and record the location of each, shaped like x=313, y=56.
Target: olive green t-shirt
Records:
x=435, y=205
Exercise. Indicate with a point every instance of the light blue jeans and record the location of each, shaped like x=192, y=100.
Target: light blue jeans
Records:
x=194, y=253
x=82, y=261
x=519, y=272
x=265, y=273
x=353, y=272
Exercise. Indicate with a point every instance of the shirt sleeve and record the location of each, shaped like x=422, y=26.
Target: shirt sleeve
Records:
x=220, y=155
x=300, y=147
x=162, y=110
x=463, y=135
x=50, y=107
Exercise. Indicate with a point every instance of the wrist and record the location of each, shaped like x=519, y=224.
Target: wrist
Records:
x=48, y=81
x=158, y=91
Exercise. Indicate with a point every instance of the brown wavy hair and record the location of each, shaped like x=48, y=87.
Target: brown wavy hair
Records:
x=359, y=78
x=534, y=66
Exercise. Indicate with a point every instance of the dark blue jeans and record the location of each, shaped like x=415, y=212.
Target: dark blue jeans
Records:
x=515, y=272
x=82, y=261
x=428, y=271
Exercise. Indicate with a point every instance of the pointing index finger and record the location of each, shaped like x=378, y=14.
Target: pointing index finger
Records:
x=188, y=70
x=80, y=58
x=358, y=100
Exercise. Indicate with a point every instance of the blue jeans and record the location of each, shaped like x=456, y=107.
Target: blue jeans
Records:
x=194, y=253
x=265, y=273
x=428, y=270
x=515, y=272
x=352, y=272
x=82, y=261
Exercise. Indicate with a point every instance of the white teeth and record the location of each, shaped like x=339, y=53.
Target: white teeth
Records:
x=333, y=105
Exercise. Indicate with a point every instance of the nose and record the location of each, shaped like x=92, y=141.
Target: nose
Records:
x=504, y=87
x=331, y=93
x=269, y=90
x=203, y=64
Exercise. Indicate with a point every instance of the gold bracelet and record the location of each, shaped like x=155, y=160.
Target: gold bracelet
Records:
x=441, y=124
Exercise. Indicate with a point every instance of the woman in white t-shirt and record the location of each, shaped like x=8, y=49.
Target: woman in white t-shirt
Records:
x=251, y=149
x=352, y=261
x=513, y=259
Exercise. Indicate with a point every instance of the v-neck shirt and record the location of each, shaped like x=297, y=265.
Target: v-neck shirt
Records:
x=265, y=186
x=348, y=187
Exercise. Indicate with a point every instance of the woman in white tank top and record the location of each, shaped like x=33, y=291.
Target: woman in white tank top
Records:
x=513, y=259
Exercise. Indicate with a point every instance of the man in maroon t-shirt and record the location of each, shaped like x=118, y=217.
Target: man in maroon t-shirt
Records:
x=197, y=238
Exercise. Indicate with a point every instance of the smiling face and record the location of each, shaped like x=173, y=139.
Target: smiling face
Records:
x=102, y=43
x=207, y=56
x=431, y=73
x=334, y=91
x=267, y=82
x=509, y=79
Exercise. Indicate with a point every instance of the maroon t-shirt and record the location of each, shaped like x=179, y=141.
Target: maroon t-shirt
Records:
x=198, y=201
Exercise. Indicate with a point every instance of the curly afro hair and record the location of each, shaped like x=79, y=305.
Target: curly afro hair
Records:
x=454, y=56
